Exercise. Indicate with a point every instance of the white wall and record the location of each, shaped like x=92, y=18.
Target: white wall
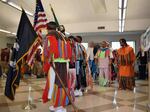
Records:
x=4, y=40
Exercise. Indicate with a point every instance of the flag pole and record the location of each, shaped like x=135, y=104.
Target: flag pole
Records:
x=54, y=15
x=29, y=105
x=75, y=108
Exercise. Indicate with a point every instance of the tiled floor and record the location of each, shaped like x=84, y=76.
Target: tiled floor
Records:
x=101, y=99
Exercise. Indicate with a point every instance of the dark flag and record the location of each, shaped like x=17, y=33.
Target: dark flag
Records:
x=26, y=36
x=55, y=18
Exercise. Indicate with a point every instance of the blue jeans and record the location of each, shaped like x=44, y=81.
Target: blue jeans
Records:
x=93, y=68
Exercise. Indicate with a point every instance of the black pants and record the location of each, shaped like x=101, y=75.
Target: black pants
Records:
x=78, y=86
x=142, y=71
x=81, y=77
x=0, y=71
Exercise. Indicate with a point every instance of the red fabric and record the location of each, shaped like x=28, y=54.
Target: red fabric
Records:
x=57, y=98
x=107, y=53
x=64, y=100
x=45, y=93
x=53, y=46
x=5, y=54
x=46, y=67
x=69, y=49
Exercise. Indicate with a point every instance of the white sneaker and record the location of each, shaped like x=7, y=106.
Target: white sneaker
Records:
x=80, y=93
x=76, y=93
x=64, y=110
x=51, y=108
x=60, y=109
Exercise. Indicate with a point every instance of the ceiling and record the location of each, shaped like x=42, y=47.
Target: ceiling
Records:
x=79, y=16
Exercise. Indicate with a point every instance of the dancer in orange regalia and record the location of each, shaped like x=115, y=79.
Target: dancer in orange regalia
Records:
x=126, y=58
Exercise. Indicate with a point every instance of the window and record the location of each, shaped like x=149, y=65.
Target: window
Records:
x=116, y=45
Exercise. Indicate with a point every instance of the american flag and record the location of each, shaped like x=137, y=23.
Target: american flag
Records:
x=40, y=22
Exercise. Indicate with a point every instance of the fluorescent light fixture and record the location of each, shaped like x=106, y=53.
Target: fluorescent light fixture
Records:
x=120, y=3
x=4, y=31
x=120, y=29
x=14, y=5
x=19, y=8
x=120, y=16
x=120, y=23
x=125, y=4
x=13, y=33
x=4, y=0
x=124, y=14
x=29, y=13
x=123, y=23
